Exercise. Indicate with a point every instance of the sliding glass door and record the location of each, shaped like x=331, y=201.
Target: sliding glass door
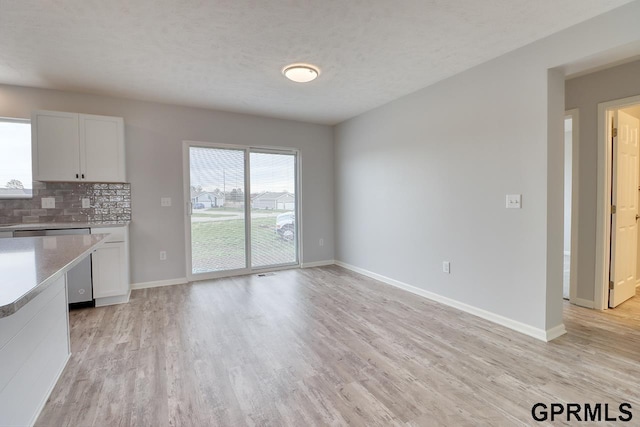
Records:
x=217, y=216
x=241, y=209
x=273, y=209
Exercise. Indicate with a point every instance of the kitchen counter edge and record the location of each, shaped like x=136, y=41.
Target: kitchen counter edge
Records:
x=13, y=307
x=61, y=225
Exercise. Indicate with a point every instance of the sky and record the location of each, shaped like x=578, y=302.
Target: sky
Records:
x=213, y=168
x=15, y=138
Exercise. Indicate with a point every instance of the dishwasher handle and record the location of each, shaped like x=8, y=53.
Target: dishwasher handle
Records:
x=29, y=233
x=51, y=232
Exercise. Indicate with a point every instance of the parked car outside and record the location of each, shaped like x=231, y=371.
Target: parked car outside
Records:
x=286, y=225
x=198, y=206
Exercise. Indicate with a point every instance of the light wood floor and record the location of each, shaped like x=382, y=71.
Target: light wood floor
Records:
x=326, y=346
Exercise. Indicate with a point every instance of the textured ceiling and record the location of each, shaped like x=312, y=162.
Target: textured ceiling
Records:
x=228, y=54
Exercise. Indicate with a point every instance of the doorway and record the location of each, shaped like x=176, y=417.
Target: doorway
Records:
x=617, y=265
x=241, y=209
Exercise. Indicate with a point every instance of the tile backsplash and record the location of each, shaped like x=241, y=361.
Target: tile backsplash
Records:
x=110, y=203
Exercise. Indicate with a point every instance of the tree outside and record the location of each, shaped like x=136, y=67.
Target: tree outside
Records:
x=15, y=183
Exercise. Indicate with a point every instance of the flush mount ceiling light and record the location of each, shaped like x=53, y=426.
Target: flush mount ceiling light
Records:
x=301, y=73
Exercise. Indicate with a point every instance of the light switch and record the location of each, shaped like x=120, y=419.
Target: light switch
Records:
x=86, y=203
x=48, y=203
x=165, y=202
x=514, y=201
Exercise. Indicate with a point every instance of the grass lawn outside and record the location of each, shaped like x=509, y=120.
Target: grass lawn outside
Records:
x=219, y=245
x=211, y=215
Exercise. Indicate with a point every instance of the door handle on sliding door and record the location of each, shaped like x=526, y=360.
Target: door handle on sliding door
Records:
x=189, y=208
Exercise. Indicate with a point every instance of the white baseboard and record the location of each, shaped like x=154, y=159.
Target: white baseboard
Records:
x=120, y=299
x=555, y=332
x=51, y=386
x=537, y=333
x=317, y=263
x=582, y=302
x=158, y=283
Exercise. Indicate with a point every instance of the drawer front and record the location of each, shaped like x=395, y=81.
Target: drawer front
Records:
x=116, y=234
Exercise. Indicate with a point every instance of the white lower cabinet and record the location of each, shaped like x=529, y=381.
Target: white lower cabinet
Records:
x=109, y=276
x=110, y=267
x=34, y=349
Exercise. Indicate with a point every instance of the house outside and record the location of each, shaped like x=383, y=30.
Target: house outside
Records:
x=208, y=199
x=271, y=200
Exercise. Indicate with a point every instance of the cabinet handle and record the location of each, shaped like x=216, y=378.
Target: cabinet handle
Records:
x=82, y=176
x=77, y=176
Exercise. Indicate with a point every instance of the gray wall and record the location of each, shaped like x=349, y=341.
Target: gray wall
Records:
x=154, y=134
x=585, y=93
x=452, y=152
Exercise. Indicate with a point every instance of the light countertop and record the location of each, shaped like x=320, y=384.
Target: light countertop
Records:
x=28, y=265
x=60, y=225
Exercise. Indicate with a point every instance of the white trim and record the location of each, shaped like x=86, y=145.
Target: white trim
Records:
x=555, y=332
x=159, y=283
x=317, y=263
x=270, y=268
x=603, y=230
x=120, y=299
x=575, y=202
x=186, y=190
x=582, y=302
x=248, y=217
x=487, y=315
x=51, y=386
x=299, y=197
x=567, y=252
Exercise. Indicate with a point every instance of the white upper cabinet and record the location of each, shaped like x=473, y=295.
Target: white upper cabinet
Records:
x=77, y=147
x=102, y=150
x=55, y=146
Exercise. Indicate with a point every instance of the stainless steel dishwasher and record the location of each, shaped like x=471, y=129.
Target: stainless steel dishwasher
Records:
x=79, y=281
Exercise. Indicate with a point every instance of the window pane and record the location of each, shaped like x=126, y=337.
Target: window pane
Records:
x=15, y=161
x=273, y=209
x=217, y=219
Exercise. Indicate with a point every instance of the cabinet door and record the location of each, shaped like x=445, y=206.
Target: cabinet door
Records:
x=102, y=148
x=55, y=146
x=110, y=271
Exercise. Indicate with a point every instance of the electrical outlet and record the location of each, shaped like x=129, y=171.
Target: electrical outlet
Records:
x=165, y=202
x=514, y=201
x=446, y=267
x=48, y=203
x=163, y=255
x=321, y=242
x=86, y=203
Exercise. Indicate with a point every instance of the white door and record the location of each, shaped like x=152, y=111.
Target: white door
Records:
x=625, y=198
